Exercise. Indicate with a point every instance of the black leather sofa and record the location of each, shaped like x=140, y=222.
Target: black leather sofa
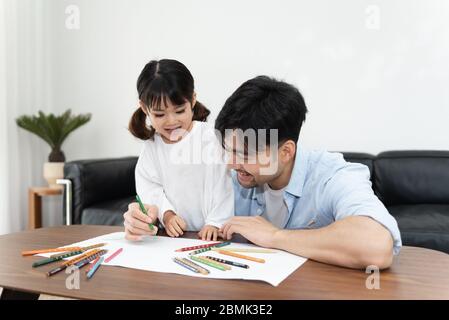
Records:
x=413, y=185
x=101, y=190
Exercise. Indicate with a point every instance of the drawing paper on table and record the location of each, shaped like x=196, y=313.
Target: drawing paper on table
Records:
x=156, y=254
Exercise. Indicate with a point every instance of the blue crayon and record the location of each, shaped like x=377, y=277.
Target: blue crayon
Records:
x=94, y=268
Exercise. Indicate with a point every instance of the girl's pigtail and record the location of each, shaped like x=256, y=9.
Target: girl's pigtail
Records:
x=138, y=127
x=200, y=112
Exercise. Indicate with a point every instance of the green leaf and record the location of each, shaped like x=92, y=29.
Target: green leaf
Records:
x=53, y=129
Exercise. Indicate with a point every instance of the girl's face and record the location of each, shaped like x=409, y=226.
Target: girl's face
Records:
x=171, y=121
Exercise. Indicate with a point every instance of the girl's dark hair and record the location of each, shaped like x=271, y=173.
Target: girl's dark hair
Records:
x=158, y=81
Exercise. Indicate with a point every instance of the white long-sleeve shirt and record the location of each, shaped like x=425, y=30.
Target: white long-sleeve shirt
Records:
x=188, y=177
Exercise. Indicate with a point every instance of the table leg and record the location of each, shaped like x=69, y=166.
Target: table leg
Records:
x=34, y=210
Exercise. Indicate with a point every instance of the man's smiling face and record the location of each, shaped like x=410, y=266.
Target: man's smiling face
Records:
x=254, y=166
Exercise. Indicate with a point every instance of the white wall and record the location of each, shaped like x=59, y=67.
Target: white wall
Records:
x=369, y=87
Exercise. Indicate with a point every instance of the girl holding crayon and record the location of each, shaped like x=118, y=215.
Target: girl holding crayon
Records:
x=185, y=193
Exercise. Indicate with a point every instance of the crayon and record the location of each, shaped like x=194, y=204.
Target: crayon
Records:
x=208, y=262
x=231, y=263
x=185, y=265
x=241, y=256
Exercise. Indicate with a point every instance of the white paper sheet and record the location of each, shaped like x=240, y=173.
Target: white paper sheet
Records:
x=156, y=254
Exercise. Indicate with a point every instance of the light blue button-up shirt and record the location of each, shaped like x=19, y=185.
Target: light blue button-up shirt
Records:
x=323, y=188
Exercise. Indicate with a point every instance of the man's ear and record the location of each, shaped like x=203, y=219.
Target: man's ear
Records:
x=287, y=151
x=143, y=107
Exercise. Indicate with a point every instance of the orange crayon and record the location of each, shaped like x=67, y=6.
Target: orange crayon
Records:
x=33, y=252
x=241, y=256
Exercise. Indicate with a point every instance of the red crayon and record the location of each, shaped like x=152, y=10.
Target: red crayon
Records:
x=92, y=264
x=112, y=256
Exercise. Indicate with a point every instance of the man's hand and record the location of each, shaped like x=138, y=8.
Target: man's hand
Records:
x=256, y=229
x=174, y=224
x=208, y=233
x=136, y=222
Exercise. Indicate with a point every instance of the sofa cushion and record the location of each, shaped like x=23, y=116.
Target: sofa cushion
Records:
x=412, y=177
x=423, y=225
x=107, y=212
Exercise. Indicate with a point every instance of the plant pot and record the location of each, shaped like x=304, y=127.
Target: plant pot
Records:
x=52, y=172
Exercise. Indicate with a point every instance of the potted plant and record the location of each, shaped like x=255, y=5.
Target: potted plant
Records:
x=53, y=130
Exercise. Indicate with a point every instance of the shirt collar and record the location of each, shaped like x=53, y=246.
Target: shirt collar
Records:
x=298, y=177
x=256, y=193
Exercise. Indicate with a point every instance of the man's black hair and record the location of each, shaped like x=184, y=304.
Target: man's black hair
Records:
x=264, y=103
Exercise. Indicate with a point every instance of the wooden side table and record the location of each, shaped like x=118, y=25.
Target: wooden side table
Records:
x=35, y=195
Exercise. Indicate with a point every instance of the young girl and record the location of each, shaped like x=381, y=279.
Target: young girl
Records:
x=190, y=195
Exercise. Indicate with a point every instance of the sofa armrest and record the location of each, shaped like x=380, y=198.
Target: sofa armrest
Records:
x=98, y=180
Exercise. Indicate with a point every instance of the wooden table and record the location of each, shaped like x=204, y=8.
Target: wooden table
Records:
x=35, y=195
x=416, y=274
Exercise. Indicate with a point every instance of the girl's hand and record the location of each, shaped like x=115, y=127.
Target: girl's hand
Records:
x=208, y=233
x=136, y=222
x=174, y=224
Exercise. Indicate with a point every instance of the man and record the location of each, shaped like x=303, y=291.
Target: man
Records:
x=314, y=204
x=310, y=203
